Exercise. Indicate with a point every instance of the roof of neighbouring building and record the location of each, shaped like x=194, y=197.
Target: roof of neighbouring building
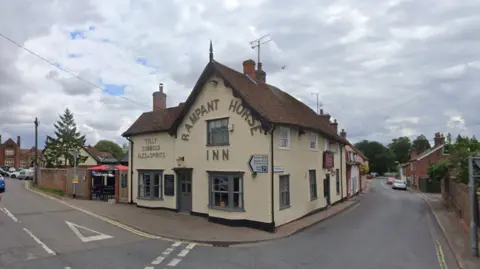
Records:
x=100, y=156
x=125, y=157
x=427, y=152
x=359, y=152
x=267, y=103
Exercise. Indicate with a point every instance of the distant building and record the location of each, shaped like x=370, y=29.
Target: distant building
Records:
x=12, y=155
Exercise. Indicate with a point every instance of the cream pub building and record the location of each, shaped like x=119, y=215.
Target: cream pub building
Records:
x=238, y=151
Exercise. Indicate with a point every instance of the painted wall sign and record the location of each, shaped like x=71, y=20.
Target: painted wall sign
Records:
x=244, y=113
x=258, y=163
x=199, y=112
x=216, y=155
x=151, y=149
x=169, y=183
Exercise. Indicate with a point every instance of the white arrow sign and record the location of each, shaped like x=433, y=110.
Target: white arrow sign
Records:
x=97, y=235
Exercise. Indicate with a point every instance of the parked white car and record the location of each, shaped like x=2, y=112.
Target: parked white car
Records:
x=14, y=174
x=399, y=184
x=26, y=174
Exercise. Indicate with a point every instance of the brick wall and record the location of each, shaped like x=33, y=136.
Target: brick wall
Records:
x=457, y=199
x=52, y=178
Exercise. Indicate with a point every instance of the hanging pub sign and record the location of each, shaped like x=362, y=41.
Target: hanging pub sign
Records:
x=328, y=159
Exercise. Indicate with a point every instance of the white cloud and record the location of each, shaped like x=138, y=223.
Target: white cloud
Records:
x=381, y=68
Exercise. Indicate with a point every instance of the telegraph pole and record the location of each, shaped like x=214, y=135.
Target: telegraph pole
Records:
x=257, y=43
x=36, y=122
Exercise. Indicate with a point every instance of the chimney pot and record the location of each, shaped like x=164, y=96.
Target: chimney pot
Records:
x=321, y=111
x=438, y=140
x=334, y=125
x=18, y=141
x=343, y=134
x=249, y=68
x=160, y=87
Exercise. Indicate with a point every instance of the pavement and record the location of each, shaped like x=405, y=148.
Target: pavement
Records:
x=385, y=229
x=454, y=230
x=184, y=227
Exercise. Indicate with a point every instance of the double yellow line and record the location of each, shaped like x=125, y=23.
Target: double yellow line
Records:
x=438, y=246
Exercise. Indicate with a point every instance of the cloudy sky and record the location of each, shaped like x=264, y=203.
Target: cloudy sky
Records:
x=381, y=68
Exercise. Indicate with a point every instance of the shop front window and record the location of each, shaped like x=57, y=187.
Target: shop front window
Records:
x=226, y=191
x=150, y=184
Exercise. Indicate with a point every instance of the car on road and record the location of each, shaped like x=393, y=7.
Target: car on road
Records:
x=2, y=184
x=399, y=184
x=26, y=174
x=14, y=174
x=390, y=180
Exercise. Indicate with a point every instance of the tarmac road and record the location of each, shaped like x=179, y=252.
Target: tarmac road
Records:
x=387, y=229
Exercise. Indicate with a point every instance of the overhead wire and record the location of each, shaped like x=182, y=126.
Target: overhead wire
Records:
x=67, y=71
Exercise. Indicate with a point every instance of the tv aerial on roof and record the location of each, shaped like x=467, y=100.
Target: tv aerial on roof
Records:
x=257, y=43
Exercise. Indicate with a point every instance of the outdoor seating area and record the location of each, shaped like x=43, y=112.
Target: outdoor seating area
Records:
x=104, y=181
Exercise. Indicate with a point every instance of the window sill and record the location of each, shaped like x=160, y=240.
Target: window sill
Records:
x=226, y=209
x=313, y=199
x=149, y=199
x=285, y=207
x=313, y=149
x=218, y=145
x=282, y=148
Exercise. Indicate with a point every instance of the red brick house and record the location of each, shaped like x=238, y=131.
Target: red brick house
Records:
x=12, y=155
x=419, y=163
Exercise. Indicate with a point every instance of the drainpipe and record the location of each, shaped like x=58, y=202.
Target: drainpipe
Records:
x=130, y=164
x=341, y=172
x=272, y=177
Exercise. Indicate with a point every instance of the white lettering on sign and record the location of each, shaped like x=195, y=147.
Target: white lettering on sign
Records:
x=151, y=149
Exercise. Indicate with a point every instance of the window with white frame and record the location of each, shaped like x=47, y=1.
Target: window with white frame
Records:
x=218, y=133
x=226, y=191
x=284, y=188
x=313, y=141
x=284, y=138
x=150, y=184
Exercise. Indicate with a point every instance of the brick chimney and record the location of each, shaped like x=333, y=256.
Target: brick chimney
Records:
x=343, y=134
x=260, y=74
x=159, y=99
x=439, y=139
x=334, y=125
x=324, y=117
x=249, y=68
x=18, y=141
x=413, y=153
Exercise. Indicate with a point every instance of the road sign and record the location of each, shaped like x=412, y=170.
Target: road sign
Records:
x=75, y=180
x=258, y=163
x=96, y=235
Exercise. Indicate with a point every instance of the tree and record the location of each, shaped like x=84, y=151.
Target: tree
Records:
x=125, y=147
x=421, y=144
x=68, y=139
x=381, y=159
x=401, y=148
x=459, y=153
x=110, y=147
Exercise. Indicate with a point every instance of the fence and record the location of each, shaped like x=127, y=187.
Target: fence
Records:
x=61, y=180
x=456, y=197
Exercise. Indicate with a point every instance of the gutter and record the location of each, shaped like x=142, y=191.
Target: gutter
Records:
x=130, y=164
x=272, y=177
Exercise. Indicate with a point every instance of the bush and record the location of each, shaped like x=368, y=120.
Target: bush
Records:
x=439, y=170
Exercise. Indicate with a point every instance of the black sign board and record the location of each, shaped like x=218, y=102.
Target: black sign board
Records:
x=169, y=185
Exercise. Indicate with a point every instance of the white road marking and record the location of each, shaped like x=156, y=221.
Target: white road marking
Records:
x=149, y=267
x=98, y=235
x=190, y=246
x=68, y=267
x=158, y=260
x=10, y=215
x=174, y=262
x=47, y=249
x=167, y=251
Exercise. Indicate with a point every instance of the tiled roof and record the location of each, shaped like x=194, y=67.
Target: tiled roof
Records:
x=154, y=121
x=359, y=152
x=267, y=103
x=99, y=155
